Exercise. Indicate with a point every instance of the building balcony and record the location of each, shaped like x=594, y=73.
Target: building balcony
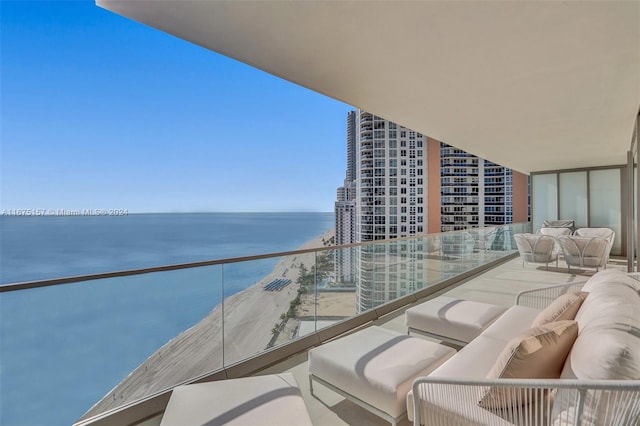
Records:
x=226, y=347
x=286, y=352
x=218, y=351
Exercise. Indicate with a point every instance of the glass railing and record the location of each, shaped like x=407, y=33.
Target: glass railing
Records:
x=119, y=339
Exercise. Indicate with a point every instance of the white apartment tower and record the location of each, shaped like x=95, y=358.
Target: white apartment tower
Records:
x=391, y=182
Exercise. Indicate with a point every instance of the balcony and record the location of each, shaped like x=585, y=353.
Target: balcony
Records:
x=583, y=123
x=222, y=345
x=502, y=278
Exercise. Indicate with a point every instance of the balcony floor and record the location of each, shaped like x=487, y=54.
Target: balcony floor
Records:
x=498, y=286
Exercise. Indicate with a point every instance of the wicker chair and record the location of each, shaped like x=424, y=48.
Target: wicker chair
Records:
x=585, y=252
x=605, y=233
x=537, y=248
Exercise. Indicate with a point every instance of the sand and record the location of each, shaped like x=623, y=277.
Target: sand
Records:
x=328, y=304
x=249, y=317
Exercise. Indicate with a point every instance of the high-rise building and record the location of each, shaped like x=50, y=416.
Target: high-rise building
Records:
x=401, y=183
x=391, y=202
x=345, y=211
x=390, y=179
x=476, y=192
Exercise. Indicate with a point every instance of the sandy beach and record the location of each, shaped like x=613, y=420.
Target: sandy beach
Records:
x=249, y=317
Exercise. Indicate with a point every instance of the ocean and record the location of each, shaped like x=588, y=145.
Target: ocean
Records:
x=63, y=348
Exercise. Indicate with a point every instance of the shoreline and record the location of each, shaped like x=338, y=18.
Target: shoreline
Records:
x=249, y=317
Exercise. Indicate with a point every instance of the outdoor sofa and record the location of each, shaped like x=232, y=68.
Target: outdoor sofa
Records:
x=581, y=368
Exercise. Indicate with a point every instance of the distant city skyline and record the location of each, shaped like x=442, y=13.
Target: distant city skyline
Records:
x=99, y=112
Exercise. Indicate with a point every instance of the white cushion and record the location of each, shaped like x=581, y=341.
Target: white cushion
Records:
x=605, y=233
x=608, y=345
x=473, y=361
x=456, y=318
x=611, y=277
x=514, y=321
x=554, y=232
x=377, y=365
x=262, y=400
x=609, y=322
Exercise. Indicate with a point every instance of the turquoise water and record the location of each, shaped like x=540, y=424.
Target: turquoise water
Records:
x=63, y=348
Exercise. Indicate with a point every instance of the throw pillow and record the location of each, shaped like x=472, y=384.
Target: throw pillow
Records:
x=563, y=308
x=538, y=353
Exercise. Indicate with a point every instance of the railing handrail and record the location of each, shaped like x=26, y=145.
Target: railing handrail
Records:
x=129, y=272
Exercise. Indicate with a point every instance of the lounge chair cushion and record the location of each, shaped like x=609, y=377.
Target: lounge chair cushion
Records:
x=377, y=365
x=459, y=319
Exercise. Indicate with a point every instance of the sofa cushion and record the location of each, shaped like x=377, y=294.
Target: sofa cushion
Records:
x=474, y=361
x=609, y=322
x=510, y=324
x=608, y=345
x=565, y=307
x=611, y=277
x=538, y=353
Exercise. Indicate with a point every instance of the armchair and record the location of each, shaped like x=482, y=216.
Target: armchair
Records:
x=537, y=248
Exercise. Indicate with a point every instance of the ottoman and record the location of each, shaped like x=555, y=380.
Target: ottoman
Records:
x=273, y=399
x=457, y=321
x=375, y=368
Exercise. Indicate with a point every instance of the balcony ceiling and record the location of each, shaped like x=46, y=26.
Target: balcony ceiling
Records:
x=530, y=85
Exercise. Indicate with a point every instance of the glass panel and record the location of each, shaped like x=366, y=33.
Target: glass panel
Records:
x=169, y=327
x=56, y=355
x=605, y=203
x=544, y=199
x=255, y=314
x=325, y=300
x=573, y=198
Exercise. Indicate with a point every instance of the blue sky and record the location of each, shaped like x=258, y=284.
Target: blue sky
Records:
x=100, y=112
